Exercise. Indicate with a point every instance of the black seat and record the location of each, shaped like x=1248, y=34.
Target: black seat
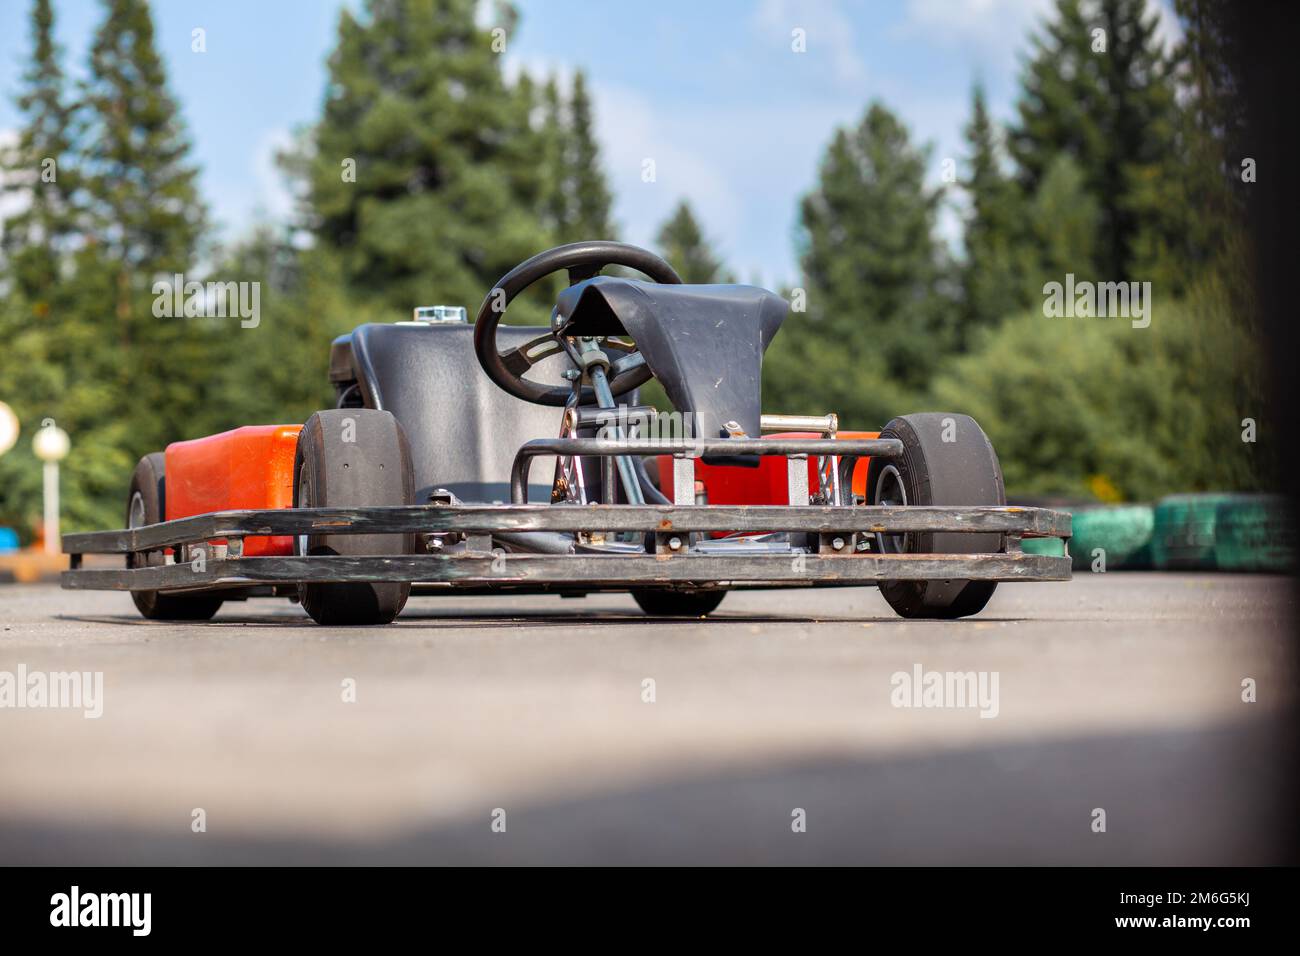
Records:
x=463, y=429
x=705, y=343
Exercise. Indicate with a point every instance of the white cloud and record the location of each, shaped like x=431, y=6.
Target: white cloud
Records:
x=12, y=201
x=828, y=33
x=273, y=198
x=742, y=169
x=1169, y=29
x=989, y=24
x=631, y=131
x=992, y=24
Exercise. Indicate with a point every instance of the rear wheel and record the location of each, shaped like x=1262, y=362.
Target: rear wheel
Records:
x=663, y=602
x=947, y=460
x=146, y=504
x=353, y=458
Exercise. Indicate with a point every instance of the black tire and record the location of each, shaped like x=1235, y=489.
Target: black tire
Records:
x=353, y=458
x=146, y=504
x=664, y=602
x=932, y=471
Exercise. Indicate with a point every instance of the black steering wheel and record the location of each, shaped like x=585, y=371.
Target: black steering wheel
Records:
x=582, y=260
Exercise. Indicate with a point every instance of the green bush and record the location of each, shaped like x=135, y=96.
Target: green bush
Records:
x=1093, y=407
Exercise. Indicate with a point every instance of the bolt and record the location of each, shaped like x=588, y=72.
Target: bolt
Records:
x=837, y=544
x=674, y=544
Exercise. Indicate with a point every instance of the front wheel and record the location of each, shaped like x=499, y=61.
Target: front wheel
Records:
x=146, y=503
x=353, y=458
x=947, y=460
x=664, y=602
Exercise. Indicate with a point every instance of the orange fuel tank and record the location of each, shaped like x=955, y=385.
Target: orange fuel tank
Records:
x=249, y=467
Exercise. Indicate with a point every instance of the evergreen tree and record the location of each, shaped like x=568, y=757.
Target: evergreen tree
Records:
x=1208, y=186
x=557, y=203
x=528, y=179
x=1062, y=222
x=35, y=239
x=279, y=371
x=993, y=282
x=145, y=201
x=60, y=359
x=877, y=321
x=410, y=180
x=578, y=203
x=683, y=244
x=1099, y=87
x=591, y=194
x=147, y=222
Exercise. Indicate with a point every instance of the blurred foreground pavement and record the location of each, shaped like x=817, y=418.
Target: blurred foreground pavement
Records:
x=1117, y=691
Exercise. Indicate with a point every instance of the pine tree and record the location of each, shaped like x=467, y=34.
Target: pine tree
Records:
x=1062, y=223
x=145, y=192
x=683, y=244
x=528, y=179
x=35, y=239
x=591, y=194
x=877, y=321
x=279, y=371
x=1212, y=136
x=578, y=202
x=147, y=222
x=60, y=359
x=557, y=214
x=992, y=277
x=414, y=180
x=1099, y=87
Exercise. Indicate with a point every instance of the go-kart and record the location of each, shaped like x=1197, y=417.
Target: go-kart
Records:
x=423, y=478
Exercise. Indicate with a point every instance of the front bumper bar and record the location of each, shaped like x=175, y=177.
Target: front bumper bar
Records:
x=217, y=540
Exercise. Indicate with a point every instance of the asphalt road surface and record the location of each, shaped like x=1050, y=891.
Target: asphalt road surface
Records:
x=522, y=730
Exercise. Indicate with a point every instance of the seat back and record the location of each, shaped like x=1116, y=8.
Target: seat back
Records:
x=705, y=343
x=463, y=429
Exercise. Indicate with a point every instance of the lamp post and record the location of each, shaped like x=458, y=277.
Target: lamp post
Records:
x=51, y=446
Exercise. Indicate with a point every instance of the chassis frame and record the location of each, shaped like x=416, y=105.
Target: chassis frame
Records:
x=827, y=543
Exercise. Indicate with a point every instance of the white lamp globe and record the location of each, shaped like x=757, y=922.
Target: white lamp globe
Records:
x=51, y=443
x=8, y=428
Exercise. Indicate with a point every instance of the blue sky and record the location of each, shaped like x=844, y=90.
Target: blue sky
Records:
x=711, y=91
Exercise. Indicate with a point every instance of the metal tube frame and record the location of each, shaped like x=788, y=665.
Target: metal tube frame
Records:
x=669, y=559
x=694, y=448
x=725, y=563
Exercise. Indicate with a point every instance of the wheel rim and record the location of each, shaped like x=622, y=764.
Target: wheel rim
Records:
x=135, y=517
x=304, y=501
x=891, y=492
